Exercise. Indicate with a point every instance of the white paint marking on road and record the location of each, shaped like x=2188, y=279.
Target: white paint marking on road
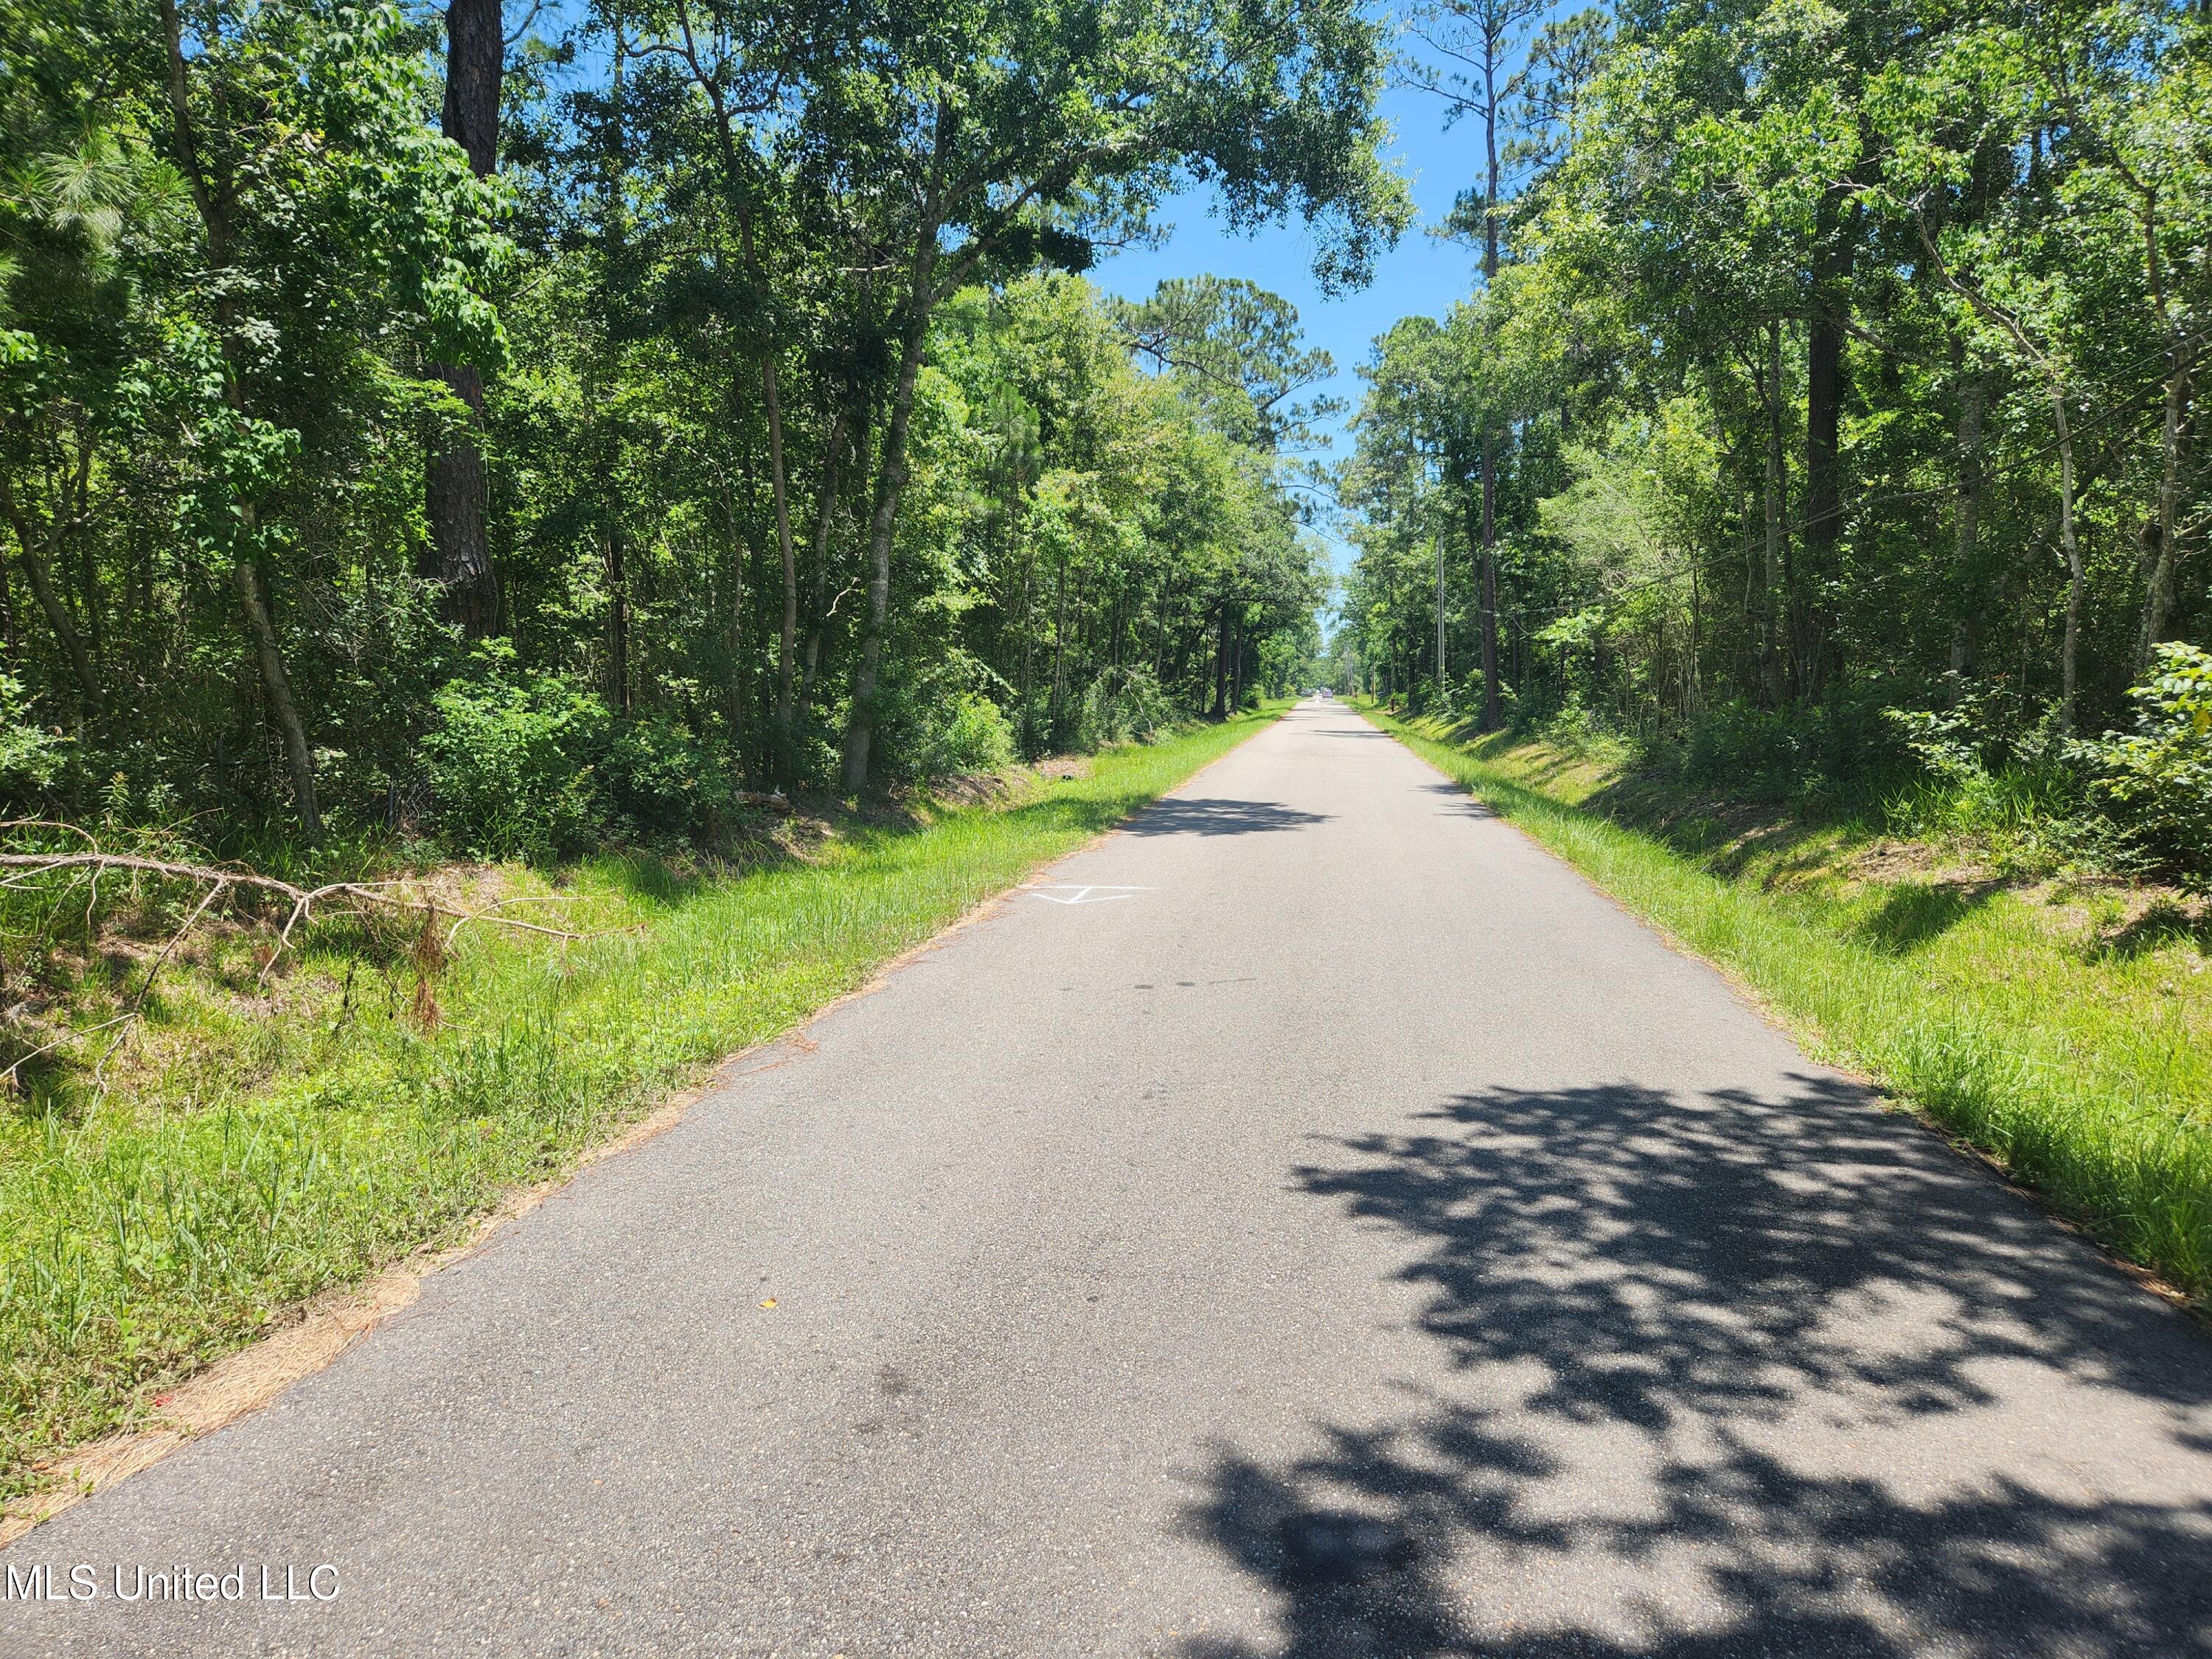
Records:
x=1068, y=892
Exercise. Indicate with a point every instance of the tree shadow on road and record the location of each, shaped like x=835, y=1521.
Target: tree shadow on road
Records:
x=1199, y=816
x=1457, y=801
x=1737, y=1339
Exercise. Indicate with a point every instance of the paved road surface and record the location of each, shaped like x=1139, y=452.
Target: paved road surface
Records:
x=1348, y=1234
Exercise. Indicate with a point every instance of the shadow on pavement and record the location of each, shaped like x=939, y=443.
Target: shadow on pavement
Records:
x=1457, y=801
x=1201, y=817
x=1736, y=1340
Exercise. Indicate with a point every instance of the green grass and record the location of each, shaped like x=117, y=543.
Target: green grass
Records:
x=260, y=1157
x=2030, y=1022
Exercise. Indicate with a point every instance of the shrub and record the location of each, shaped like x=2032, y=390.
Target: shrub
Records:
x=1806, y=749
x=1574, y=728
x=30, y=754
x=660, y=781
x=2018, y=801
x=2159, y=777
x=1128, y=705
x=1032, y=723
x=975, y=738
x=513, y=764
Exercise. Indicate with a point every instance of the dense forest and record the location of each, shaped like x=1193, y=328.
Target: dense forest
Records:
x=524, y=429
x=1826, y=414
x=530, y=431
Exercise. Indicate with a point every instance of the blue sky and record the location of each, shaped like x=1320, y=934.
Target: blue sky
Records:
x=1421, y=276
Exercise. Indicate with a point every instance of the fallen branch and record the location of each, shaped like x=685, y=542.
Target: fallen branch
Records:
x=48, y=1048
x=361, y=897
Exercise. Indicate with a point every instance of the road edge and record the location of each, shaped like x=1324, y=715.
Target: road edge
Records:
x=251, y=1378
x=1819, y=1050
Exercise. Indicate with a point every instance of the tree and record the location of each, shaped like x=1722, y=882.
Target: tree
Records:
x=317, y=197
x=1479, y=39
x=475, y=63
x=1005, y=133
x=1236, y=347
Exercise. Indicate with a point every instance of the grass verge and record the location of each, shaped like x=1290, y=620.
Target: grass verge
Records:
x=2080, y=1058
x=276, y=1151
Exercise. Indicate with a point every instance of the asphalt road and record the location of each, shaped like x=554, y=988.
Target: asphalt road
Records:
x=1344, y=1232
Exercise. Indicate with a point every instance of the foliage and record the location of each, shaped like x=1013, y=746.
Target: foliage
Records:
x=2159, y=775
x=1128, y=705
x=966, y=734
x=1838, y=360
x=733, y=380
x=30, y=754
x=513, y=765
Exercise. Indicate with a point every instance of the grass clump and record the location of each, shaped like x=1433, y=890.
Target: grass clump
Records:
x=2064, y=1030
x=271, y=1143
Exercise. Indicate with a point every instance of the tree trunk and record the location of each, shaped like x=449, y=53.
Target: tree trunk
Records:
x=1965, y=634
x=299, y=758
x=1777, y=486
x=780, y=495
x=2068, y=656
x=453, y=498
x=1492, y=712
x=2159, y=595
x=1022, y=604
x=787, y=635
x=615, y=233
x=454, y=481
x=39, y=572
x=825, y=512
x=1160, y=627
x=1823, y=499
x=860, y=727
x=1443, y=672
x=1058, y=649
x=611, y=546
x=1492, y=715
x=1221, y=662
x=1825, y=342
x=1493, y=179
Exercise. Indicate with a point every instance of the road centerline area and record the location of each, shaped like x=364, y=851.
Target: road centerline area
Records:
x=1454, y=1268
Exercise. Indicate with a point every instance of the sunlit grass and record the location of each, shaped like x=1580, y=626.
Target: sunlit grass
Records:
x=271, y=1155
x=2075, y=1049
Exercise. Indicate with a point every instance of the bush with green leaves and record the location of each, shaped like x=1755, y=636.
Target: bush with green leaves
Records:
x=2008, y=791
x=2158, y=778
x=974, y=736
x=661, y=781
x=943, y=722
x=1128, y=705
x=30, y=754
x=513, y=763
x=1805, y=750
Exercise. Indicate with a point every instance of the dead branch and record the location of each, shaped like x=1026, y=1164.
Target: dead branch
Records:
x=146, y=987
x=486, y=913
x=19, y=870
x=8, y=1072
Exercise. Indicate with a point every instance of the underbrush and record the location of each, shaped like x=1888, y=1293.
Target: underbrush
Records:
x=1985, y=775
x=263, y=1135
x=2063, y=1026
